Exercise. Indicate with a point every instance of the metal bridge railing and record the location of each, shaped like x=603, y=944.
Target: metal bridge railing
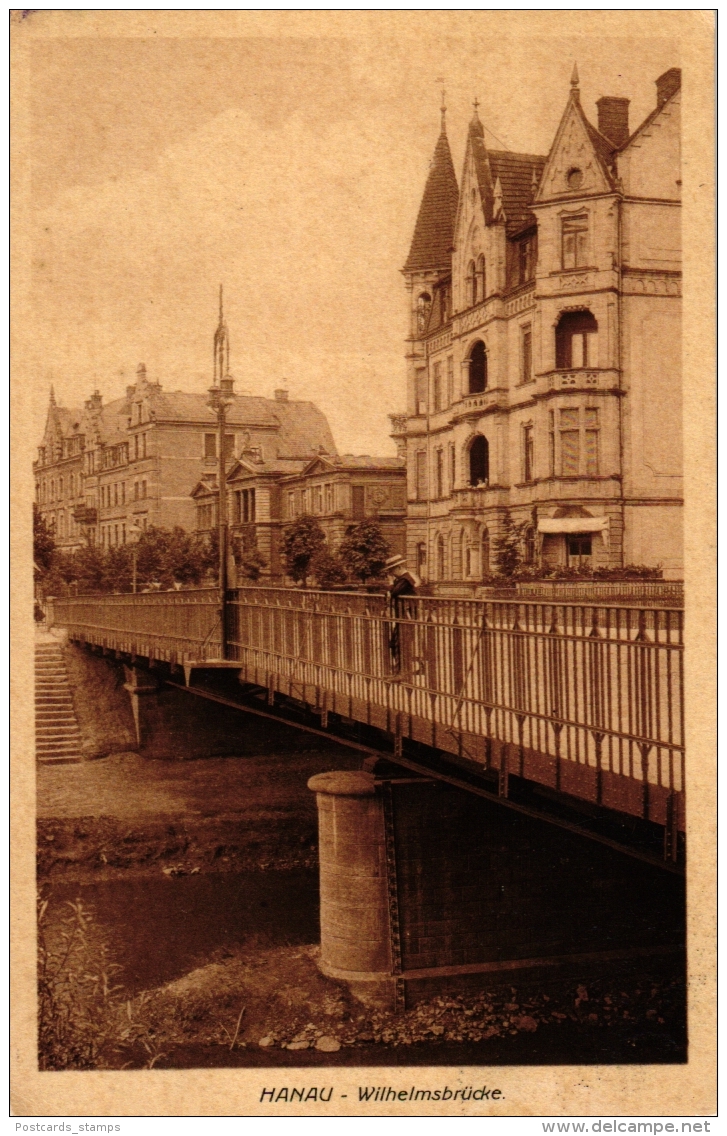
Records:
x=597, y=685
x=173, y=626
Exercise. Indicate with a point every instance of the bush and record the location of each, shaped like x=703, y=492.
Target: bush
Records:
x=364, y=550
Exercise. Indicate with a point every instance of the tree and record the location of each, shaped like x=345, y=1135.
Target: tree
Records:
x=327, y=568
x=302, y=541
x=508, y=546
x=169, y=556
x=249, y=560
x=44, y=546
x=364, y=550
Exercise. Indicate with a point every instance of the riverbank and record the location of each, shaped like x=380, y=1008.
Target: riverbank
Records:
x=273, y=1007
x=125, y=816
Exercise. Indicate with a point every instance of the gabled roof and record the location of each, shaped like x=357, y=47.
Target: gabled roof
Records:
x=652, y=115
x=519, y=176
x=327, y=464
x=276, y=467
x=204, y=486
x=574, y=131
x=434, y=230
x=296, y=431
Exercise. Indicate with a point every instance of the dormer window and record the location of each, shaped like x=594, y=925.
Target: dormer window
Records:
x=575, y=241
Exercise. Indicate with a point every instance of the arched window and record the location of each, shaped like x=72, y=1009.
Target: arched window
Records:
x=576, y=341
x=479, y=460
x=440, y=558
x=471, y=284
x=477, y=368
x=480, y=278
x=485, y=553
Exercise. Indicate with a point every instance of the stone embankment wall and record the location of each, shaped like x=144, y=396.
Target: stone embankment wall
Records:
x=102, y=706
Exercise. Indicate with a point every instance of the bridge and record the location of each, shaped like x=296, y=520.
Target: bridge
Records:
x=567, y=713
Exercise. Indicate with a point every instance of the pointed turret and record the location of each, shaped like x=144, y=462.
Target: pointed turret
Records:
x=52, y=400
x=432, y=241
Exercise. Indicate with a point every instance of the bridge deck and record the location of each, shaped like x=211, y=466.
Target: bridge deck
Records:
x=586, y=699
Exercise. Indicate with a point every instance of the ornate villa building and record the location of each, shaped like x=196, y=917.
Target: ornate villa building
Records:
x=264, y=497
x=543, y=358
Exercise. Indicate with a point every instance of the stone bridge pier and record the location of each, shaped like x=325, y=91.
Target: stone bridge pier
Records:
x=426, y=886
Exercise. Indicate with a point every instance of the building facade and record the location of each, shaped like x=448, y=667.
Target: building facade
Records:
x=107, y=471
x=543, y=357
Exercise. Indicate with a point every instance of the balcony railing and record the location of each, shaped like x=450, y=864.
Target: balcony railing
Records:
x=474, y=403
x=581, y=377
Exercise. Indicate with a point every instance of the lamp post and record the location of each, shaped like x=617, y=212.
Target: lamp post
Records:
x=221, y=396
x=134, y=531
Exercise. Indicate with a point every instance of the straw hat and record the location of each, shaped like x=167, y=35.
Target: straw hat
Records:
x=394, y=562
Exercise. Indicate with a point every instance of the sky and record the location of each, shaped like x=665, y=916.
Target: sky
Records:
x=290, y=170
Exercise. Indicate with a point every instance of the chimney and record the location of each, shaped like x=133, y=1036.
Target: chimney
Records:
x=667, y=84
x=613, y=119
x=281, y=395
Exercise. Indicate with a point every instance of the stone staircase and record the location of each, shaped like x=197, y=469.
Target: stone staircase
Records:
x=57, y=737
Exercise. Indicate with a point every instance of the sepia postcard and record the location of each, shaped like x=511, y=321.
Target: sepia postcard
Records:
x=363, y=563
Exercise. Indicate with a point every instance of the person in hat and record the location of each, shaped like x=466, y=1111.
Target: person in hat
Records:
x=402, y=583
